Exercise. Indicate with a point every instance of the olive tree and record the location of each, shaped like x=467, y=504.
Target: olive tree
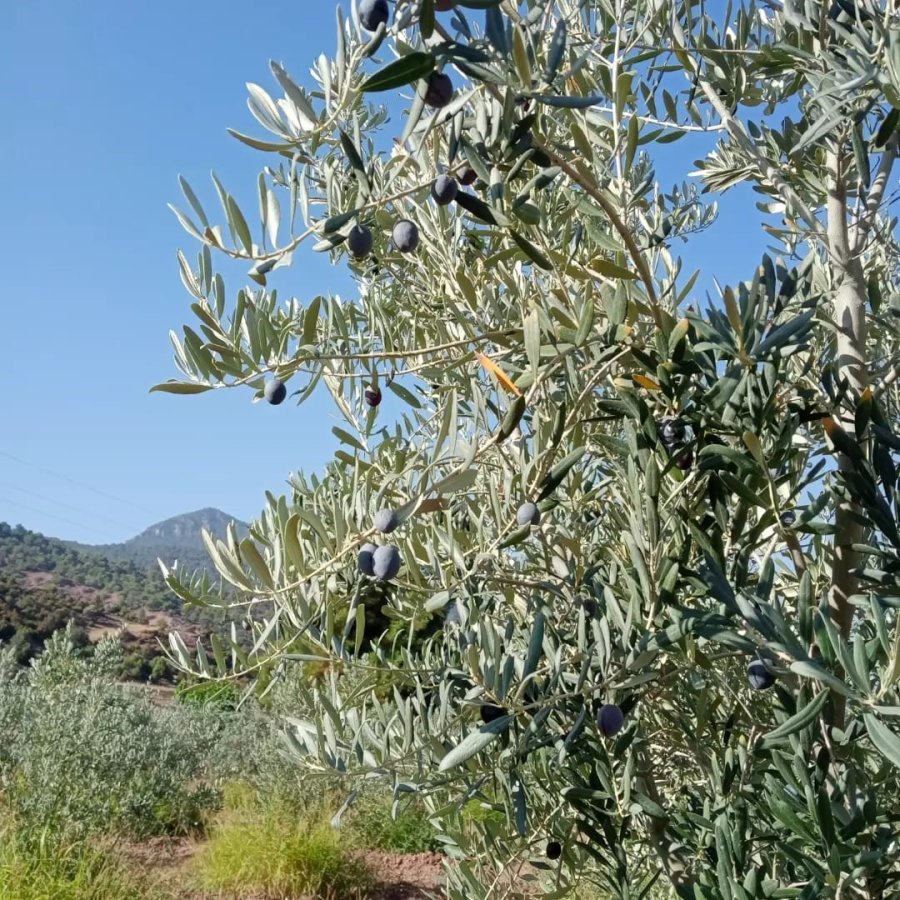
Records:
x=636, y=551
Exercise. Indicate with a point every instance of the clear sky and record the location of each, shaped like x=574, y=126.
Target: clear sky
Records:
x=104, y=104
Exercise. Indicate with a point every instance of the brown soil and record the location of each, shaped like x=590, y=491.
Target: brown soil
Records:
x=103, y=624
x=78, y=591
x=36, y=579
x=400, y=876
x=404, y=876
x=104, y=618
x=158, y=625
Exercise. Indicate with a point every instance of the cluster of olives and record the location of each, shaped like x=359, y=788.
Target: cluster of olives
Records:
x=672, y=433
x=382, y=562
x=438, y=92
x=404, y=236
x=445, y=188
x=611, y=719
x=438, y=88
x=275, y=392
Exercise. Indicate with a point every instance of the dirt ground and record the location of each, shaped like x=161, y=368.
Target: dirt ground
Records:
x=404, y=876
x=412, y=876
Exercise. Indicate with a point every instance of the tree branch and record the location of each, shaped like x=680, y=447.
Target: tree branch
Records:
x=860, y=230
x=604, y=203
x=673, y=866
x=738, y=133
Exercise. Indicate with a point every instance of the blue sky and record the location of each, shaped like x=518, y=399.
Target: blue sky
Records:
x=104, y=105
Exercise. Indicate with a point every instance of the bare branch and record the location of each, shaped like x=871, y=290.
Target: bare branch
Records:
x=860, y=230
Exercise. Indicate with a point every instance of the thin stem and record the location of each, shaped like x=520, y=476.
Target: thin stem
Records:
x=612, y=213
x=380, y=355
x=661, y=123
x=377, y=203
x=617, y=137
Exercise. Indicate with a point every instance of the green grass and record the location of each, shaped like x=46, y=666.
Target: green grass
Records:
x=271, y=850
x=39, y=867
x=370, y=824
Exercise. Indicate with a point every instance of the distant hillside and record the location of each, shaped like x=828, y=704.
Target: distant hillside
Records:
x=45, y=582
x=176, y=538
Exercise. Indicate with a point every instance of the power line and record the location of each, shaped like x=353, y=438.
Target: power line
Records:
x=80, y=484
x=79, y=509
x=53, y=515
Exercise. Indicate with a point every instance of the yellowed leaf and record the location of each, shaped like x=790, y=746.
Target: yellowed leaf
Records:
x=645, y=382
x=501, y=376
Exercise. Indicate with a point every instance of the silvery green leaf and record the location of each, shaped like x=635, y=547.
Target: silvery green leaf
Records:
x=438, y=601
x=495, y=30
x=886, y=742
x=273, y=216
x=191, y=198
x=296, y=95
x=401, y=71
x=181, y=387
x=557, y=50
x=474, y=742
x=809, y=669
x=532, y=336
x=568, y=102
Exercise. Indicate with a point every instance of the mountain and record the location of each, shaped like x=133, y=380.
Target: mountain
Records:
x=45, y=583
x=118, y=589
x=176, y=538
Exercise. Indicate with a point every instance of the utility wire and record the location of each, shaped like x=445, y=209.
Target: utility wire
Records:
x=81, y=484
x=79, y=509
x=5, y=500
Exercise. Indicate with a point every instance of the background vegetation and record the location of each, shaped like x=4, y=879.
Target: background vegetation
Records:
x=46, y=583
x=92, y=770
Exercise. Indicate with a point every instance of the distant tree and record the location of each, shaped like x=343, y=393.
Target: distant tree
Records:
x=27, y=644
x=660, y=537
x=135, y=667
x=159, y=669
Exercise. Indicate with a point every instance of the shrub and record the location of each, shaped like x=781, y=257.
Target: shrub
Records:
x=80, y=754
x=220, y=695
x=270, y=849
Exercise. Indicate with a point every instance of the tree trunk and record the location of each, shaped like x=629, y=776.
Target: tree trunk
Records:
x=849, y=316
